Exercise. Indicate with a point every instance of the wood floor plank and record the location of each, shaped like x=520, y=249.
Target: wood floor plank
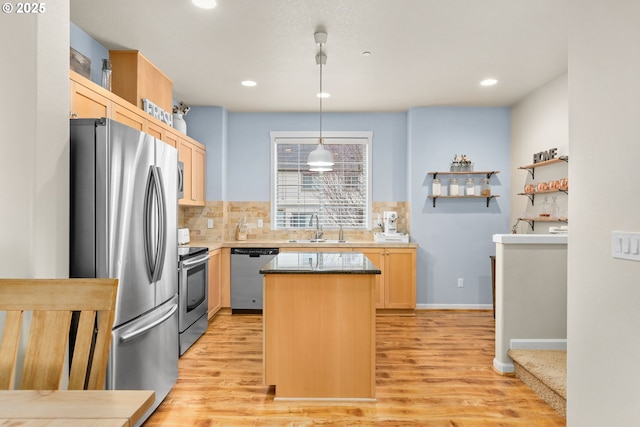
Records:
x=433, y=369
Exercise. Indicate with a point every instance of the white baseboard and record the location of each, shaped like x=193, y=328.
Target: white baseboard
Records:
x=503, y=368
x=538, y=344
x=454, y=306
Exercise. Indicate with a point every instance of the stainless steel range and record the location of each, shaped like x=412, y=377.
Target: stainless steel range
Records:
x=193, y=279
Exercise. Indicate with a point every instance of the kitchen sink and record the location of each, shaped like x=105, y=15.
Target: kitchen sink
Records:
x=323, y=241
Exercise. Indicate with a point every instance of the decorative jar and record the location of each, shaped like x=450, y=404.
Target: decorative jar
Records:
x=179, y=123
x=454, y=189
x=436, y=187
x=469, y=187
x=485, y=187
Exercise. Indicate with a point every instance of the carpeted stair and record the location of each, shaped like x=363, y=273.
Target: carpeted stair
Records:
x=545, y=372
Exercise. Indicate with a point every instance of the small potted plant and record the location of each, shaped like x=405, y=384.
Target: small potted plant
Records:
x=461, y=163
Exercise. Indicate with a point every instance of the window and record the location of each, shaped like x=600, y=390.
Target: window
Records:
x=340, y=197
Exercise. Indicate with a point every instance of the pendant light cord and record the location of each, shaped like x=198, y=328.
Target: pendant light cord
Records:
x=321, y=94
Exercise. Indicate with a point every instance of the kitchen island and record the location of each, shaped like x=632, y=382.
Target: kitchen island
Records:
x=319, y=325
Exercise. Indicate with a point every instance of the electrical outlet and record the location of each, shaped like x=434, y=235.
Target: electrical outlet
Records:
x=260, y=223
x=460, y=282
x=209, y=223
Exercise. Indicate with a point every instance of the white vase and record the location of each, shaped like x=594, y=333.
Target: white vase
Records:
x=179, y=123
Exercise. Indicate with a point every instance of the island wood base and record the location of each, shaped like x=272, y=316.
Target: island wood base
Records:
x=319, y=335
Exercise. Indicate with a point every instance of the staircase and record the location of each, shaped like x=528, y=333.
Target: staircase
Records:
x=545, y=372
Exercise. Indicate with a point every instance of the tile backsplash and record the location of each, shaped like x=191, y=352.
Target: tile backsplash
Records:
x=225, y=216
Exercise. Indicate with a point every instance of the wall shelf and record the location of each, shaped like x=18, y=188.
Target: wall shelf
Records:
x=532, y=167
x=484, y=173
x=487, y=173
x=532, y=196
x=462, y=197
x=532, y=221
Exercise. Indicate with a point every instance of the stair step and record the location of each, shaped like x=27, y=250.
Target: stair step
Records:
x=545, y=372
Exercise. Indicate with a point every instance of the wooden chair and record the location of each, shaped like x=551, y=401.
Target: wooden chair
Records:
x=53, y=303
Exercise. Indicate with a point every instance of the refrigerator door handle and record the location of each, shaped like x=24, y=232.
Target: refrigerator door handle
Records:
x=148, y=232
x=155, y=237
x=162, y=221
x=136, y=333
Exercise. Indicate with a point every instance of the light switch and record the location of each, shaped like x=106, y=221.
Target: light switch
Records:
x=625, y=245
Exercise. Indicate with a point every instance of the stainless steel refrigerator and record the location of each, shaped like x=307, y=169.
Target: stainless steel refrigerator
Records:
x=124, y=225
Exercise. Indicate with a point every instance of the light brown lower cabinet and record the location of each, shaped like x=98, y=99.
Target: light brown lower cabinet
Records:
x=215, y=282
x=396, y=286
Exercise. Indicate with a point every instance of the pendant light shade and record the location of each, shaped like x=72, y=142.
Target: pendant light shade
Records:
x=320, y=159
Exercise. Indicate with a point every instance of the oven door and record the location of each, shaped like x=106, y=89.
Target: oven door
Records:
x=193, y=292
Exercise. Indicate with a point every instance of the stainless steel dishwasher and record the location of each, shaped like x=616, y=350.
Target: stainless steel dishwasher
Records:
x=246, y=280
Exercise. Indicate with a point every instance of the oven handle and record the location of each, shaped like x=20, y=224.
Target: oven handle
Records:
x=138, y=332
x=197, y=260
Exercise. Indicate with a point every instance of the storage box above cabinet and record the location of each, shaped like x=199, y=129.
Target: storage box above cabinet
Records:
x=134, y=77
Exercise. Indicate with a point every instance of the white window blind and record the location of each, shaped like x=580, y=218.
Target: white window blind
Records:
x=339, y=197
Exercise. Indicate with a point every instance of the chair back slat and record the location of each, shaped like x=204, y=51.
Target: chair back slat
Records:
x=9, y=348
x=52, y=303
x=82, y=351
x=44, y=363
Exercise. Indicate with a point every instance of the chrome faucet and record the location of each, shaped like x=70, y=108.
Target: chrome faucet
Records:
x=318, y=226
x=340, y=233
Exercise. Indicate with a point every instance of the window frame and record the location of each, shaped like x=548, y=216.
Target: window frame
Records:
x=311, y=137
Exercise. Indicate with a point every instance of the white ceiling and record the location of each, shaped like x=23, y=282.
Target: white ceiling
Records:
x=423, y=52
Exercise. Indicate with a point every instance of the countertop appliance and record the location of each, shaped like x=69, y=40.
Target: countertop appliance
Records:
x=193, y=285
x=246, y=280
x=124, y=225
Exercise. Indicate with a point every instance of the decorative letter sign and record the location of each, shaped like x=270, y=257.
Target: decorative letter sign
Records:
x=157, y=112
x=542, y=156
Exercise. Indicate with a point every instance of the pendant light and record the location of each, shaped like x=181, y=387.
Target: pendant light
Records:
x=320, y=159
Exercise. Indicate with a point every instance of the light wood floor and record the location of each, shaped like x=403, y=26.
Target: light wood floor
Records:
x=434, y=369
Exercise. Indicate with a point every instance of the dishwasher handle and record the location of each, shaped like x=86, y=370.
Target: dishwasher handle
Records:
x=255, y=252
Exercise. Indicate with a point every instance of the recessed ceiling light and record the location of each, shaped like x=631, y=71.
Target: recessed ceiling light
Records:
x=323, y=95
x=488, y=82
x=248, y=83
x=205, y=4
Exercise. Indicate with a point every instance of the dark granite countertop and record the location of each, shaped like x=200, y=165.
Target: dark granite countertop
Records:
x=320, y=263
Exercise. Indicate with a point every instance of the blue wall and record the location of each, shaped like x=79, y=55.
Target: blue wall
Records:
x=208, y=125
x=455, y=237
x=89, y=47
x=248, y=175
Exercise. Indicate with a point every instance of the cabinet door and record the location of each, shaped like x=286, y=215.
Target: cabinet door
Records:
x=86, y=103
x=154, y=130
x=400, y=278
x=129, y=117
x=185, y=155
x=193, y=158
x=376, y=256
x=198, y=176
x=215, y=301
x=170, y=138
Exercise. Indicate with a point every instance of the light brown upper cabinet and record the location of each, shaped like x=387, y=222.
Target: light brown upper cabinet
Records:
x=193, y=157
